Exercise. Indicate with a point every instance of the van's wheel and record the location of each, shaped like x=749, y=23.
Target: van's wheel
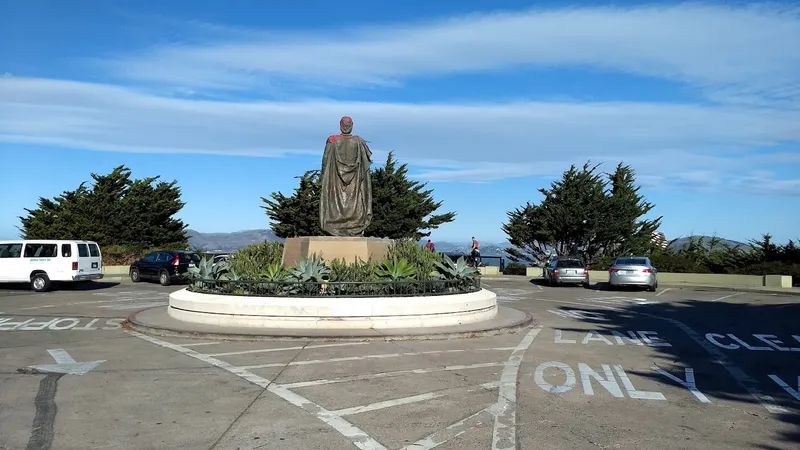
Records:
x=40, y=282
x=135, y=275
x=163, y=278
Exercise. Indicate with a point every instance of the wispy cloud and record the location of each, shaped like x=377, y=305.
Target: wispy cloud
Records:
x=167, y=99
x=747, y=53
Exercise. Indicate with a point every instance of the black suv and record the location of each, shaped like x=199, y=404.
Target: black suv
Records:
x=165, y=266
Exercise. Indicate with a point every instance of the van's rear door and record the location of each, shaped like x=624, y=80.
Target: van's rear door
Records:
x=90, y=261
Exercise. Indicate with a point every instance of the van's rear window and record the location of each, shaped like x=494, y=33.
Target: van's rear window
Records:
x=83, y=251
x=93, y=250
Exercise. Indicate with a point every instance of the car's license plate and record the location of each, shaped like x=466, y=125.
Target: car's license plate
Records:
x=192, y=265
x=94, y=265
x=624, y=272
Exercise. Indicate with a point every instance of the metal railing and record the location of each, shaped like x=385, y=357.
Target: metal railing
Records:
x=406, y=288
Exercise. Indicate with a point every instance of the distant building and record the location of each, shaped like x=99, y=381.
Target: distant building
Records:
x=659, y=239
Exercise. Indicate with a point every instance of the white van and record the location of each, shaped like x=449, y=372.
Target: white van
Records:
x=39, y=262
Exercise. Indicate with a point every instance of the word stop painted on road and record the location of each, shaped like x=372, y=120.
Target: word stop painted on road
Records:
x=60, y=324
x=609, y=378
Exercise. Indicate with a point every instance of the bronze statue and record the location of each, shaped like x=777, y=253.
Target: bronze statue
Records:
x=345, y=205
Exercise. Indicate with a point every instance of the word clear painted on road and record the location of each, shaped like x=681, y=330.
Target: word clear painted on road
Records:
x=611, y=377
x=59, y=324
x=649, y=338
x=755, y=342
x=66, y=364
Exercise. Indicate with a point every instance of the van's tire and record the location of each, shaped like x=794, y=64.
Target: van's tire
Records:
x=163, y=278
x=40, y=282
x=135, y=276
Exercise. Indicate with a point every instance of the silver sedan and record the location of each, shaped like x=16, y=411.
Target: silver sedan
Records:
x=633, y=271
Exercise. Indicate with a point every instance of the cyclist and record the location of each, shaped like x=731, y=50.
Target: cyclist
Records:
x=476, y=252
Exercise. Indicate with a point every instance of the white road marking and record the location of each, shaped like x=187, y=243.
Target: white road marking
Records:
x=741, y=377
x=66, y=364
x=663, y=291
x=728, y=296
x=359, y=438
x=454, y=430
x=364, y=357
x=133, y=306
x=412, y=399
x=539, y=286
x=302, y=384
x=281, y=349
x=504, y=435
x=198, y=344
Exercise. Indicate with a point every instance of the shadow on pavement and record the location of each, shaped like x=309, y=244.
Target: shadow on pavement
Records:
x=742, y=320
x=56, y=286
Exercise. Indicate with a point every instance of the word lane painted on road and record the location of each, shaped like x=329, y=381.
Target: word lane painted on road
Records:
x=611, y=377
x=754, y=342
x=60, y=324
x=641, y=338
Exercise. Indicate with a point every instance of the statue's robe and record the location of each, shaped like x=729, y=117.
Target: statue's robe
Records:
x=345, y=207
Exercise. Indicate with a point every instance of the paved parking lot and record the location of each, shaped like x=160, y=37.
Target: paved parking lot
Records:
x=677, y=368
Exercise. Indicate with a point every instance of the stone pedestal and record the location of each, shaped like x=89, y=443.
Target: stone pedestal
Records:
x=329, y=248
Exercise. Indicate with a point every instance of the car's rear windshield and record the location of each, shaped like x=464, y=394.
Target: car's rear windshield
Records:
x=632, y=261
x=189, y=257
x=570, y=263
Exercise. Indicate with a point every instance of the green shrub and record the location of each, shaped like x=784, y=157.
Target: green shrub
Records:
x=515, y=268
x=421, y=259
x=359, y=271
x=249, y=261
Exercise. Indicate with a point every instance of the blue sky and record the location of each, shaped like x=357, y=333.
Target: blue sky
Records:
x=487, y=101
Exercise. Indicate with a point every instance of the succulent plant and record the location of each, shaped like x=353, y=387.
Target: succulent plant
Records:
x=395, y=270
x=274, y=272
x=311, y=269
x=457, y=270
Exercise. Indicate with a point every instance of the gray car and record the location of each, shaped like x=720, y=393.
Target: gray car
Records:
x=633, y=271
x=566, y=271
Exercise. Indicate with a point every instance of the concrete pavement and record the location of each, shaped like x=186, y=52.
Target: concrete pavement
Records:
x=678, y=368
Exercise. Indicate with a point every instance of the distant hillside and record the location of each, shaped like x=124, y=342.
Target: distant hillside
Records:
x=487, y=249
x=228, y=242
x=706, y=240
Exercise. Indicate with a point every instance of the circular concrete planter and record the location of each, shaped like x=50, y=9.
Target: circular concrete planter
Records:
x=332, y=312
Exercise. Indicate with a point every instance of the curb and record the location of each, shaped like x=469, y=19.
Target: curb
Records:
x=134, y=324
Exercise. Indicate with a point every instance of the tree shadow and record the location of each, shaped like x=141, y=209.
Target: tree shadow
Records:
x=692, y=321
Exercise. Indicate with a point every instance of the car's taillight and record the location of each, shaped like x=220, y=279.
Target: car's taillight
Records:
x=555, y=271
x=586, y=271
x=176, y=260
x=613, y=270
x=74, y=266
x=647, y=271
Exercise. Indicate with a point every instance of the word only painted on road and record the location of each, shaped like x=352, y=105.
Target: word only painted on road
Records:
x=641, y=338
x=755, y=342
x=59, y=324
x=608, y=378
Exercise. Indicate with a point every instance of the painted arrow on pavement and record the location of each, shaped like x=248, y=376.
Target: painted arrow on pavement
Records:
x=66, y=364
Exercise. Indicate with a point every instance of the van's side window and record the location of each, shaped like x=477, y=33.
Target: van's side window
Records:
x=10, y=250
x=66, y=250
x=93, y=250
x=83, y=251
x=40, y=250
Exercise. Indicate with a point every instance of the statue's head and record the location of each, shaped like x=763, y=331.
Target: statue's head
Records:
x=346, y=125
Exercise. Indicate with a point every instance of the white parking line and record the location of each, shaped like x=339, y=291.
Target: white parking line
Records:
x=504, y=434
x=413, y=399
x=662, y=292
x=728, y=296
x=365, y=357
x=302, y=384
x=282, y=349
x=198, y=344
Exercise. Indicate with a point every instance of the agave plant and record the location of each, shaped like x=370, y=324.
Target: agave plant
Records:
x=395, y=270
x=457, y=270
x=311, y=269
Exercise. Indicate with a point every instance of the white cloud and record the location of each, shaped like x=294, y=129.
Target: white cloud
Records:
x=734, y=53
x=475, y=142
